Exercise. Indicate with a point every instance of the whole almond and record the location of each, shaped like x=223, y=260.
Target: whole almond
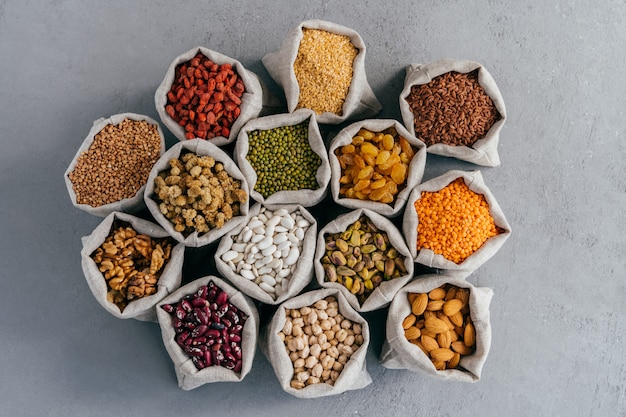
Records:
x=454, y=362
x=460, y=347
x=439, y=365
x=436, y=325
x=444, y=339
x=450, y=293
x=456, y=319
x=463, y=295
x=420, y=345
x=428, y=343
x=469, y=335
x=437, y=294
x=435, y=305
x=445, y=319
x=412, y=333
x=441, y=354
x=452, y=307
x=408, y=321
x=419, y=304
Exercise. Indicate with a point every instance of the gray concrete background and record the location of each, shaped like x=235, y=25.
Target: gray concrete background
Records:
x=558, y=310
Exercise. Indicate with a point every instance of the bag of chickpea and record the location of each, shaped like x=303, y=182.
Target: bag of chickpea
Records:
x=375, y=164
x=321, y=66
x=456, y=108
x=439, y=324
x=317, y=344
x=364, y=256
x=130, y=265
x=284, y=159
x=454, y=207
x=197, y=193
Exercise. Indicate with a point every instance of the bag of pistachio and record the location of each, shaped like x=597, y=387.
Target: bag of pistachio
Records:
x=321, y=66
x=317, y=344
x=439, y=324
x=130, y=265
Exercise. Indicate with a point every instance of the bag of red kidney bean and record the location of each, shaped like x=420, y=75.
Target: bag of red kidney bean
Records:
x=398, y=353
x=447, y=115
x=359, y=102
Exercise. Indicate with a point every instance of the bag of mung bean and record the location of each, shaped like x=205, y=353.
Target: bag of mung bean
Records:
x=287, y=345
x=404, y=317
x=248, y=102
x=110, y=169
x=329, y=59
x=255, y=269
x=130, y=284
x=189, y=376
x=369, y=260
x=452, y=204
x=400, y=176
x=456, y=108
x=190, y=196
x=284, y=159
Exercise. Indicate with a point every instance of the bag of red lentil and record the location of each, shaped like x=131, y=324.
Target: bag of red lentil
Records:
x=246, y=106
x=338, y=98
x=475, y=186
x=398, y=353
x=109, y=182
x=187, y=373
x=215, y=194
x=352, y=375
x=413, y=174
x=447, y=118
x=169, y=277
x=383, y=293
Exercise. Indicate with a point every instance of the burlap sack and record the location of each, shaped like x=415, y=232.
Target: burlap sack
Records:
x=127, y=205
x=190, y=377
x=304, y=197
x=251, y=101
x=414, y=176
x=398, y=353
x=299, y=279
x=170, y=279
x=199, y=147
x=384, y=293
x=474, y=181
x=360, y=102
x=484, y=151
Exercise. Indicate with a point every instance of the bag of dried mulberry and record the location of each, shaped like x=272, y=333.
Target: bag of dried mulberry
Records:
x=130, y=265
x=456, y=108
x=444, y=331
x=321, y=66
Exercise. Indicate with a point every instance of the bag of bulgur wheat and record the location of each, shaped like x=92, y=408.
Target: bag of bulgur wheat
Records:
x=398, y=353
x=483, y=151
x=354, y=373
x=305, y=197
x=474, y=181
x=413, y=176
x=200, y=147
x=168, y=280
x=350, y=97
x=187, y=374
x=127, y=205
x=383, y=293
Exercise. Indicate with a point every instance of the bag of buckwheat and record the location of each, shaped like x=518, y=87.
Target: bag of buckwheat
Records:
x=321, y=66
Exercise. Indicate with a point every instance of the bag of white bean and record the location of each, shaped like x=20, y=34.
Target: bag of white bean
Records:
x=130, y=266
x=284, y=159
x=456, y=108
x=317, y=344
x=270, y=258
x=321, y=66
x=465, y=341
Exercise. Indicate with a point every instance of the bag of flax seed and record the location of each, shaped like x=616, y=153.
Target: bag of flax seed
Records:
x=321, y=66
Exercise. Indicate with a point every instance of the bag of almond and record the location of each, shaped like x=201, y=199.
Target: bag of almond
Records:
x=439, y=324
x=321, y=66
x=130, y=265
x=456, y=108
x=317, y=344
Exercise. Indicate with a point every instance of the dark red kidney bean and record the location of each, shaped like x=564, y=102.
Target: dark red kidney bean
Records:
x=229, y=357
x=203, y=292
x=180, y=312
x=201, y=315
x=212, y=333
x=211, y=295
x=178, y=324
x=208, y=359
x=186, y=305
x=168, y=308
x=229, y=365
x=182, y=339
x=234, y=338
x=199, y=362
x=222, y=310
x=238, y=365
x=198, y=341
x=190, y=325
x=221, y=298
x=226, y=322
x=236, y=351
x=237, y=329
x=215, y=359
x=199, y=331
x=194, y=351
x=198, y=302
x=232, y=316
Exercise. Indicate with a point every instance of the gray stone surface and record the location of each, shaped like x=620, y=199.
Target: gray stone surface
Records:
x=558, y=310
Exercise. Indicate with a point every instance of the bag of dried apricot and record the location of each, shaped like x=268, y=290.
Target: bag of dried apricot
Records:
x=439, y=324
x=321, y=66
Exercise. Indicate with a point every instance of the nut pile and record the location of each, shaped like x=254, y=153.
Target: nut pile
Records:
x=131, y=263
x=117, y=164
x=361, y=258
x=375, y=165
x=319, y=341
x=197, y=194
x=440, y=325
x=208, y=328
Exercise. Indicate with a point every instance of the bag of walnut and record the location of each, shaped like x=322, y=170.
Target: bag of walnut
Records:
x=439, y=324
x=321, y=66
